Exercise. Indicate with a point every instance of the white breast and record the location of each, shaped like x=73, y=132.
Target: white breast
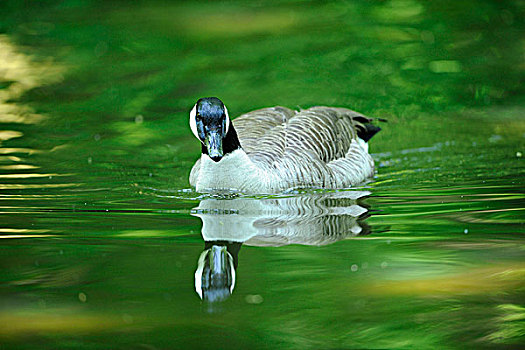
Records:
x=234, y=172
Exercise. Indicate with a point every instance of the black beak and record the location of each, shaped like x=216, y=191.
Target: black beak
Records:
x=213, y=144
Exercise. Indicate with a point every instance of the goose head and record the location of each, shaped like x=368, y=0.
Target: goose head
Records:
x=211, y=125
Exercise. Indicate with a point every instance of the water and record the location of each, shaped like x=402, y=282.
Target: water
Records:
x=101, y=234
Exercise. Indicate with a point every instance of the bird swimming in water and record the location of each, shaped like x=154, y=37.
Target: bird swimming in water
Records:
x=275, y=149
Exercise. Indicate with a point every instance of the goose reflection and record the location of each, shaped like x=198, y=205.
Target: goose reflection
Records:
x=307, y=219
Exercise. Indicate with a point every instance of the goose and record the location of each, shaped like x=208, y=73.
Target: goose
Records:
x=275, y=149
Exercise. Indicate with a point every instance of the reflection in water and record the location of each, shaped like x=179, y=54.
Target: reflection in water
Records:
x=215, y=275
x=20, y=73
x=308, y=219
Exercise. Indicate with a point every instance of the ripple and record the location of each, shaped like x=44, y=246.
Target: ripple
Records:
x=18, y=150
x=33, y=186
x=9, y=134
x=18, y=167
x=29, y=176
x=14, y=233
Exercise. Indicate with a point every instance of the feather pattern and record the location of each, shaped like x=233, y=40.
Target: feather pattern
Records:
x=316, y=147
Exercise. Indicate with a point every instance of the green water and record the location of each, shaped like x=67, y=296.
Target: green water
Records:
x=101, y=233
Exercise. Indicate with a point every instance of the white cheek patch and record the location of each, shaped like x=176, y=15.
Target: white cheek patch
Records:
x=227, y=120
x=193, y=121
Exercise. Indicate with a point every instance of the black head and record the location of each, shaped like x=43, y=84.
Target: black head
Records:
x=210, y=123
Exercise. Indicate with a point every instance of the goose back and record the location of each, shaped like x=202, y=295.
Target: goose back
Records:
x=316, y=147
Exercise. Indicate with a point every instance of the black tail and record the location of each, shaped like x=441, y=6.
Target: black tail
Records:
x=367, y=131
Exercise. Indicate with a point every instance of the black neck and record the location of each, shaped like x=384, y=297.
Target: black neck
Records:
x=230, y=142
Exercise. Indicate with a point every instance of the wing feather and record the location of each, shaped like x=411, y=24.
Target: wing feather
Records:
x=253, y=127
x=268, y=134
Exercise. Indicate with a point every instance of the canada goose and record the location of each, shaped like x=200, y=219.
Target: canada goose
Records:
x=274, y=149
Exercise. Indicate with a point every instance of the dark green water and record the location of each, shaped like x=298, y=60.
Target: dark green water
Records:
x=101, y=234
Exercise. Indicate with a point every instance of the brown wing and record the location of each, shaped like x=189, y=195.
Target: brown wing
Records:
x=256, y=125
x=324, y=133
